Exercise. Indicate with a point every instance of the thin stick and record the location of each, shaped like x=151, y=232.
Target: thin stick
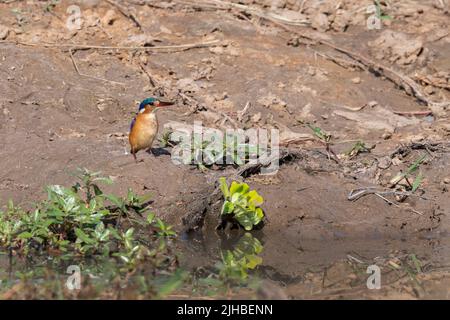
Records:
x=340, y=61
x=393, y=203
x=150, y=78
x=414, y=113
x=86, y=75
x=242, y=112
x=227, y=117
x=387, y=200
x=191, y=100
x=75, y=46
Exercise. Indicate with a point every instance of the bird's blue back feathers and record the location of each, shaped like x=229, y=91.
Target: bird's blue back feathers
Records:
x=132, y=123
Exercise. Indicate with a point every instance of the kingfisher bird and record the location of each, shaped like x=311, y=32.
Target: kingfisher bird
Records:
x=144, y=126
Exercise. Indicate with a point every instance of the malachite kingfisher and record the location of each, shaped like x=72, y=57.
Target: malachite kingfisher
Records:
x=144, y=126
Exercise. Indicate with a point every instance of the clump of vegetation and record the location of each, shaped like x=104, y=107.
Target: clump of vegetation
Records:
x=206, y=151
x=82, y=220
x=241, y=205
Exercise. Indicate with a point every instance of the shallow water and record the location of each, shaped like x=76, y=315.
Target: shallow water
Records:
x=410, y=268
x=291, y=264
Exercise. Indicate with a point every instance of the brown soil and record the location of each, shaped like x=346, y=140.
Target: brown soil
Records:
x=54, y=119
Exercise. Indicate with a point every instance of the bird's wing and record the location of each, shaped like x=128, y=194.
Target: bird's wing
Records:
x=132, y=123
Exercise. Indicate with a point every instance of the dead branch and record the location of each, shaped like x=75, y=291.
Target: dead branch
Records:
x=149, y=76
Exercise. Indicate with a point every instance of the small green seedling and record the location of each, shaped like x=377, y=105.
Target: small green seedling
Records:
x=358, y=147
x=318, y=132
x=380, y=14
x=417, y=182
x=165, y=141
x=241, y=204
x=404, y=175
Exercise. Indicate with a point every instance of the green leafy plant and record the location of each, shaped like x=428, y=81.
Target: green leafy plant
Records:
x=204, y=151
x=241, y=204
x=82, y=218
x=164, y=230
x=89, y=181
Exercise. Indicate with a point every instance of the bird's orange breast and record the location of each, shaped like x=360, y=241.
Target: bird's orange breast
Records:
x=144, y=131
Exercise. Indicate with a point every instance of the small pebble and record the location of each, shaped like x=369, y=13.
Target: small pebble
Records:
x=396, y=161
x=4, y=31
x=109, y=17
x=372, y=104
x=143, y=59
x=429, y=89
x=311, y=71
x=356, y=80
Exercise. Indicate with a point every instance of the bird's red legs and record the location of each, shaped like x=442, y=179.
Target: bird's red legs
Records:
x=134, y=155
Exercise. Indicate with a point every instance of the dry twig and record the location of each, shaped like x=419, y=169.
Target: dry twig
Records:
x=75, y=46
x=86, y=75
